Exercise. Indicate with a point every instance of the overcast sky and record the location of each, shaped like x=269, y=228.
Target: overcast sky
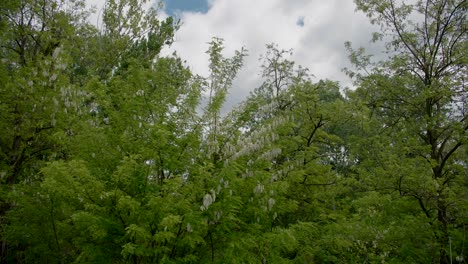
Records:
x=315, y=29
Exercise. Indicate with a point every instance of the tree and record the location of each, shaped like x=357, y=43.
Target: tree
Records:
x=58, y=79
x=285, y=146
x=418, y=100
x=34, y=44
x=222, y=73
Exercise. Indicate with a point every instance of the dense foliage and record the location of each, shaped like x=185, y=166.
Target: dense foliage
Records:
x=111, y=153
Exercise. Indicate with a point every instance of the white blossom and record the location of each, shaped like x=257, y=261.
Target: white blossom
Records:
x=207, y=201
x=259, y=188
x=271, y=202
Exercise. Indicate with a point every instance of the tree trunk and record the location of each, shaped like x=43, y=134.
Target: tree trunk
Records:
x=443, y=237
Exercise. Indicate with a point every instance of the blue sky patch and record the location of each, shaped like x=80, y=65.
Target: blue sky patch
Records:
x=173, y=7
x=300, y=21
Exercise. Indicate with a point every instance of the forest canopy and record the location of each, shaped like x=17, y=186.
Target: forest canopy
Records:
x=113, y=153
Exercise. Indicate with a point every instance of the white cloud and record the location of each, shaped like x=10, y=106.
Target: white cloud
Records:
x=318, y=44
x=98, y=6
x=316, y=30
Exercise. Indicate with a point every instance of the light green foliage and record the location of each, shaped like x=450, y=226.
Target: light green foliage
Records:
x=37, y=96
x=416, y=102
x=222, y=73
x=106, y=158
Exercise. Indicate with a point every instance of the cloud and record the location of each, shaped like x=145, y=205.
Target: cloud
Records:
x=316, y=30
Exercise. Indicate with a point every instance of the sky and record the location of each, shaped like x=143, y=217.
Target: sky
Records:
x=315, y=30
x=176, y=7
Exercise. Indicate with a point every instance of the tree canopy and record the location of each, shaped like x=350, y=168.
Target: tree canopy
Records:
x=113, y=153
